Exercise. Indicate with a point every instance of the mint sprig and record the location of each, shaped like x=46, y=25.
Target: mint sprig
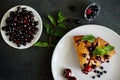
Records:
x=102, y=51
x=61, y=18
x=89, y=38
x=52, y=29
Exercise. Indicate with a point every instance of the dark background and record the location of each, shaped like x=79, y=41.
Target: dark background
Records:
x=34, y=63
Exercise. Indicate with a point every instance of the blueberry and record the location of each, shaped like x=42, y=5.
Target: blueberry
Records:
x=24, y=9
x=93, y=66
x=98, y=71
x=98, y=76
x=95, y=71
x=101, y=67
x=77, y=21
x=36, y=23
x=18, y=45
x=73, y=8
x=101, y=73
x=93, y=77
x=108, y=61
x=4, y=28
x=104, y=71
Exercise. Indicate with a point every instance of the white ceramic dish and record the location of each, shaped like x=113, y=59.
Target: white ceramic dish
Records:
x=37, y=36
x=65, y=56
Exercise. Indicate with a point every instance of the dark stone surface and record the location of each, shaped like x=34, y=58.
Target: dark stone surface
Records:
x=35, y=63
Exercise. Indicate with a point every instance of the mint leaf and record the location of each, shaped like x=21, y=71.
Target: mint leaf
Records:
x=57, y=33
x=89, y=38
x=52, y=20
x=99, y=51
x=61, y=25
x=61, y=18
x=43, y=44
x=102, y=51
x=48, y=28
x=109, y=48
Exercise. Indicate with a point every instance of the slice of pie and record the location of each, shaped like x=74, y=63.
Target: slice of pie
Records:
x=92, y=52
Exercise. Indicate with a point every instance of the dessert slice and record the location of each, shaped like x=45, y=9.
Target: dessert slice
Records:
x=92, y=52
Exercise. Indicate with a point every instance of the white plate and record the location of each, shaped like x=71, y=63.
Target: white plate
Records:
x=37, y=36
x=65, y=56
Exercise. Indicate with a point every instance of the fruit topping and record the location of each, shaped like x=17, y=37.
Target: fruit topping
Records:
x=21, y=26
x=84, y=55
x=88, y=68
x=88, y=11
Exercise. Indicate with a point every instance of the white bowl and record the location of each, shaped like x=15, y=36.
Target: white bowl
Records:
x=36, y=37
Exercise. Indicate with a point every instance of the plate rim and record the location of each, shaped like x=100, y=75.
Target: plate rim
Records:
x=100, y=26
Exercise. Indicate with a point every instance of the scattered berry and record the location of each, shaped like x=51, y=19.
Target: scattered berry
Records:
x=101, y=73
x=73, y=8
x=67, y=73
x=108, y=61
x=98, y=71
x=95, y=71
x=93, y=77
x=104, y=71
x=98, y=76
x=72, y=78
x=77, y=21
x=101, y=67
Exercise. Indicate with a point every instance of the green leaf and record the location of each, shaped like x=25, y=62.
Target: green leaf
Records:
x=52, y=20
x=99, y=51
x=109, y=48
x=89, y=38
x=43, y=44
x=48, y=28
x=102, y=51
x=61, y=18
x=57, y=33
x=61, y=25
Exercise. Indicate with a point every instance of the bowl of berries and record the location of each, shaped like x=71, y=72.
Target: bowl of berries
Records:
x=21, y=27
x=92, y=11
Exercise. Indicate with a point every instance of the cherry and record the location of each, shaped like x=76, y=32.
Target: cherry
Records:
x=88, y=11
x=72, y=78
x=67, y=73
x=88, y=69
